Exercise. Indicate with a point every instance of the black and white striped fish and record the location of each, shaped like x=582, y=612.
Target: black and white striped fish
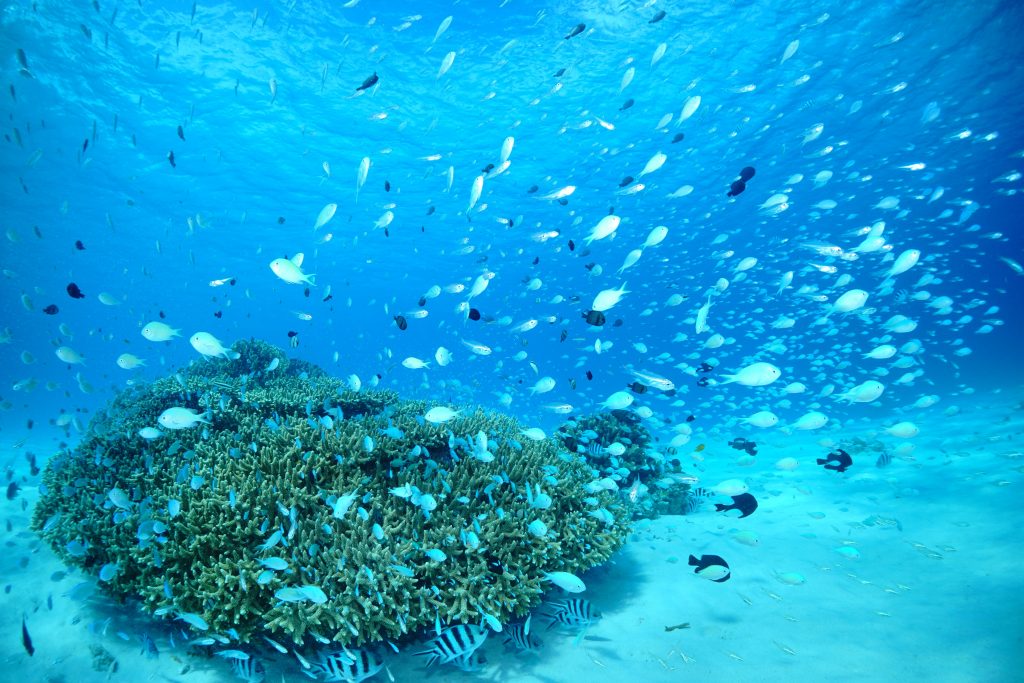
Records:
x=701, y=492
x=249, y=670
x=574, y=612
x=693, y=504
x=455, y=643
x=518, y=636
x=472, y=663
x=884, y=460
x=348, y=666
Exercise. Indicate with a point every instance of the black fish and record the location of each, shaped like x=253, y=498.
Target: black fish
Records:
x=559, y=73
x=12, y=490
x=703, y=382
x=494, y=565
x=572, y=245
x=51, y=309
x=79, y=246
x=422, y=302
x=744, y=502
x=280, y=220
x=563, y=202
x=741, y=444
x=689, y=418
x=74, y=292
x=26, y=639
x=706, y=561
x=617, y=323
x=181, y=132
x=736, y=189
x=533, y=188
x=841, y=459
x=474, y=314
x=678, y=138
x=626, y=105
x=595, y=318
x=170, y=158
x=747, y=173
x=704, y=367
x=488, y=168
x=590, y=375
x=637, y=388
x=657, y=17
x=578, y=29
x=387, y=186
x=431, y=210
x=401, y=322
x=626, y=181
x=563, y=335
x=292, y=333
x=369, y=82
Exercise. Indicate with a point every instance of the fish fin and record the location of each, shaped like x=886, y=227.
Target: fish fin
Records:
x=297, y=259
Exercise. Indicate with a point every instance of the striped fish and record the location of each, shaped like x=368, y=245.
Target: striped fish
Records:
x=701, y=492
x=350, y=666
x=249, y=670
x=595, y=448
x=884, y=460
x=471, y=663
x=574, y=613
x=455, y=643
x=693, y=504
x=518, y=636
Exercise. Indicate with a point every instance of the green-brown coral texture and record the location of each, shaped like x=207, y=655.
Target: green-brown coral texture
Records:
x=295, y=482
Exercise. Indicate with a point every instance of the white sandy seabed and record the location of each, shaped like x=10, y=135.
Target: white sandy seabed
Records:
x=939, y=599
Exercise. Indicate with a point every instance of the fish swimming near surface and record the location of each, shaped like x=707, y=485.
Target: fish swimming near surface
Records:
x=838, y=460
x=745, y=503
x=577, y=29
x=369, y=82
x=711, y=567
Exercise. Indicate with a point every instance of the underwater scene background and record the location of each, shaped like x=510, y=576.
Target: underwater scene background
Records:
x=511, y=341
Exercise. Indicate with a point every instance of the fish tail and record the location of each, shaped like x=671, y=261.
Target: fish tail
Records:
x=718, y=508
x=693, y=561
x=821, y=461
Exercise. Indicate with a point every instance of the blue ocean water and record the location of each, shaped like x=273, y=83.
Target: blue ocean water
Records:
x=873, y=130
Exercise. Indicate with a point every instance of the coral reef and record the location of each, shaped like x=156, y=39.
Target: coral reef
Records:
x=299, y=508
x=599, y=437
